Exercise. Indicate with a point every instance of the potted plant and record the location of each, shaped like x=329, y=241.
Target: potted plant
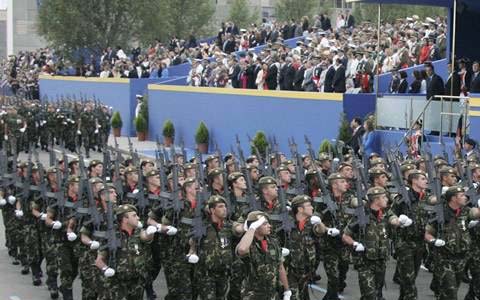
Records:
x=141, y=127
x=168, y=133
x=202, y=137
x=116, y=124
x=260, y=142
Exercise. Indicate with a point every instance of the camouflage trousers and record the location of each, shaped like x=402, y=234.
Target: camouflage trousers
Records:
x=50, y=251
x=474, y=266
x=114, y=288
x=9, y=223
x=89, y=274
x=214, y=284
x=236, y=279
x=18, y=239
x=409, y=259
x=298, y=284
x=449, y=272
x=371, y=278
x=33, y=242
x=336, y=266
x=179, y=277
x=68, y=257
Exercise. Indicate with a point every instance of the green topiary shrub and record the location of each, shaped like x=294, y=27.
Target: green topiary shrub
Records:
x=202, y=134
x=344, y=132
x=140, y=124
x=260, y=141
x=168, y=129
x=116, y=120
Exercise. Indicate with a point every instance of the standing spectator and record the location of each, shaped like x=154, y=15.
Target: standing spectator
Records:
x=435, y=84
x=357, y=134
x=417, y=82
x=425, y=51
x=339, y=77
x=261, y=76
x=475, y=81
x=329, y=75
x=403, y=86
x=368, y=139
x=452, y=87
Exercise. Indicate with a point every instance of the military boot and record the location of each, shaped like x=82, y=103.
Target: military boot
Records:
x=53, y=289
x=67, y=294
x=36, y=275
x=25, y=270
x=151, y=295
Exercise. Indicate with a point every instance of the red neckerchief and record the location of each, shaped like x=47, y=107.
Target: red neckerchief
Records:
x=458, y=211
x=219, y=225
x=315, y=193
x=379, y=215
x=156, y=191
x=54, y=189
x=264, y=245
x=132, y=187
x=421, y=195
x=193, y=203
x=128, y=231
x=338, y=199
x=74, y=198
x=285, y=186
x=269, y=205
x=301, y=224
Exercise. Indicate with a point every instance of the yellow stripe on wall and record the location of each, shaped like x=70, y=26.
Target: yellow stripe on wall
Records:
x=86, y=79
x=474, y=113
x=474, y=102
x=248, y=92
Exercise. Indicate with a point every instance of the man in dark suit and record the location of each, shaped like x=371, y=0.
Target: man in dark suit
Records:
x=475, y=82
x=272, y=76
x=287, y=75
x=299, y=74
x=358, y=131
x=452, y=87
x=233, y=73
x=328, y=83
x=403, y=86
x=339, y=77
x=435, y=84
x=229, y=45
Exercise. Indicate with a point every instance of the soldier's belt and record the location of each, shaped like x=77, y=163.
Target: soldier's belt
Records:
x=100, y=234
x=241, y=200
x=187, y=221
x=318, y=200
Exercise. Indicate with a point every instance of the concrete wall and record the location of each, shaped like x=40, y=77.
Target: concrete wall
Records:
x=228, y=112
x=22, y=26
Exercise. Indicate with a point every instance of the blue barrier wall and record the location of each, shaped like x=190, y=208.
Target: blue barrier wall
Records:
x=385, y=79
x=358, y=105
x=474, y=117
x=112, y=92
x=228, y=112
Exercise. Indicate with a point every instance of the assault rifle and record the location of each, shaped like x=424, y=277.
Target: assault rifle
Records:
x=299, y=173
x=253, y=203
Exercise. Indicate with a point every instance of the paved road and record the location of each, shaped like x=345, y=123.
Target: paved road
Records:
x=14, y=286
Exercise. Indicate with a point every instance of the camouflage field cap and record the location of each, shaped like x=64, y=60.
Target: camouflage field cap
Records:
x=452, y=191
x=214, y=172
x=189, y=166
x=407, y=167
x=335, y=176
x=125, y=208
x=210, y=157
x=375, y=191
x=447, y=171
x=377, y=161
x=94, y=163
x=151, y=173
x=214, y=199
x=234, y=176
x=95, y=180
x=300, y=199
x=51, y=170
x=73, y=178
x=323, y=156
x=266, y=180
x=255, y=215
x=375, y=171
x=282, y=168
x=130, y=170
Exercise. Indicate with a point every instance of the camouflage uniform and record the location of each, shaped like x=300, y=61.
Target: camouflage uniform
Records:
x=68, y=252
x=262, y=271
x=88, y=127
x=450, y=259
x=216, y=257
x=50, y=249
x=178, y=272
x=371, y=263
x=409, y=242
x=474, y=291
x=336, y=256
x=130, y=269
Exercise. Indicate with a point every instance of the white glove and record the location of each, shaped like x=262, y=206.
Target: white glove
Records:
x=22, y=130
x=94, y=245
x=171, y=230
x=3, y=202
x=438, y=243
x=151, y=230
x=135, y=191
x=140, y=225
x=192, y=258
x=358, y=247
x=315, y=220
x=478, y=203
x=71, y=236
x=56, y=225
x=18, y=213
x=471, y=224
x=333, y=232
x=285, y=252
x=109, y=272
x=11, y=199
x=80, y=133
x=257, y=223
x=287, y=294
x=404, y=221
x=5, y=137
x=96, y=131
x=43, y=216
